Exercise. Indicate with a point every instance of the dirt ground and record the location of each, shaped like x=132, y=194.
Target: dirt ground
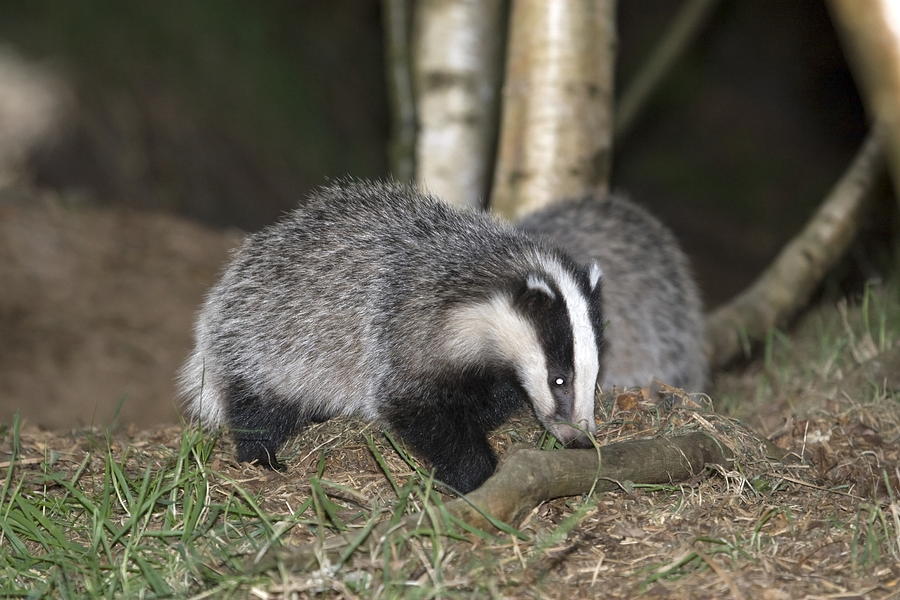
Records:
x=96, y=308
x=824, y=525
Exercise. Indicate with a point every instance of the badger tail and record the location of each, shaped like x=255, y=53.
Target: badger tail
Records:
x=201, y=392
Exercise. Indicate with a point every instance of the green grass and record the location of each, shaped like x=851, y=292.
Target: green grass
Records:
x=108, y=528
x=155, y=533
x=829, y=344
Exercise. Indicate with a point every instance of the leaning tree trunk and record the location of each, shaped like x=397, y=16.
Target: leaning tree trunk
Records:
x=556, y=126
x=456, y=70
x=870, y=32
x=787, y=284
x=398, y=81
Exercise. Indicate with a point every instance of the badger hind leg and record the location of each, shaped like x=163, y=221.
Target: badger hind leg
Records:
x=260, y=425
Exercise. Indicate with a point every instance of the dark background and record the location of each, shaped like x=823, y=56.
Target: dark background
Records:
x=185, y=120
x=227, y=111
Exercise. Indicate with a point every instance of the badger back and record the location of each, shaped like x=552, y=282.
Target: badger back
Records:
x=369, y=289
x=296, y=314
x=459, y=292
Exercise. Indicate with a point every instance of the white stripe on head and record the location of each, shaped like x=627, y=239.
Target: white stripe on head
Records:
x=494, y=329
x=586, y=354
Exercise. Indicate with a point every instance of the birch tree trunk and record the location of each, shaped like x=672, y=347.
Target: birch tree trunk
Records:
x=456, y=70
x=870, y=32
x=556, y=125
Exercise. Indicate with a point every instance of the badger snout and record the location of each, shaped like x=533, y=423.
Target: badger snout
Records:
x=572, y=437
x=582, y=441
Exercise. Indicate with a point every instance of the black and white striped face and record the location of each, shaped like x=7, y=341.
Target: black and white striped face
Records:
x=547, y=327
x=562, y=307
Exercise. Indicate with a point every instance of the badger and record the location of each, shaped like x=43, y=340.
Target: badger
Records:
x=376, y=300
x=654, y=317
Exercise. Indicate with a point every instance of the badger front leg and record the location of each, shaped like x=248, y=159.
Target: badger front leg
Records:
x=447, y=434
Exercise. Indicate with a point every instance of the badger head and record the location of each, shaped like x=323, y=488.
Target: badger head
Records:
x=547, y=327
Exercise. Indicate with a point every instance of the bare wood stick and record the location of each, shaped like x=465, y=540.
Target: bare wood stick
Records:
x=685, y=28
x=870, y=32
x=456, y=69
x=556, y=126
x=401, y=146
x=787, y=284
x=529, y=477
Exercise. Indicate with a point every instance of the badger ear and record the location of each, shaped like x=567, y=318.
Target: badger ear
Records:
x=537, y=284
x=595, y=276
x=534, y=294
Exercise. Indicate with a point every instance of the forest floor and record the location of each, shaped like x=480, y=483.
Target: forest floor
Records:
x=166, y=512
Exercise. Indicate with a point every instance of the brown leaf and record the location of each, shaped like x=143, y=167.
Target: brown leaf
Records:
x=628, y=400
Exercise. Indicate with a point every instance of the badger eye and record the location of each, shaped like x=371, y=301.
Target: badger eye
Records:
x=559, y=381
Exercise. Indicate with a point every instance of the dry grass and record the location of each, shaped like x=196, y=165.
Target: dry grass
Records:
x=167, y=512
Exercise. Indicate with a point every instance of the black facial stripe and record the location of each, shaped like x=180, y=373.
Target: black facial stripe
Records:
x=551, y=322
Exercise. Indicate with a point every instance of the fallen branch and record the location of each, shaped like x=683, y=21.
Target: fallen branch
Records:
x=528, y=477
x=787, y=284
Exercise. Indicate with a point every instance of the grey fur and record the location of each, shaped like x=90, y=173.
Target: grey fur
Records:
x=348, y=303
x=654, y=316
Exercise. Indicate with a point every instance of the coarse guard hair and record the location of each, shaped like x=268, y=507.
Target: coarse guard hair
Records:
x=654, y=326
x=373, y=299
